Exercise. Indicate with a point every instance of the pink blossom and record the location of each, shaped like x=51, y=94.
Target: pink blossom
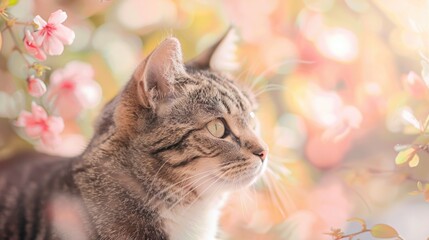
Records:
x=38, y=125
x=73, y=89
x=53, y=35
x=35, y=86
x=32, y=47
x=72, y=144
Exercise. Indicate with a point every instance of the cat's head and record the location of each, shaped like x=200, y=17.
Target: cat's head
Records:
x=190, y=121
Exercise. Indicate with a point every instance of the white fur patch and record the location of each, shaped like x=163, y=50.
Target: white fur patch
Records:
x=196, y=222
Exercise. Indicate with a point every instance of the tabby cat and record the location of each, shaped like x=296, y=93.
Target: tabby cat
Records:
x=165, y=153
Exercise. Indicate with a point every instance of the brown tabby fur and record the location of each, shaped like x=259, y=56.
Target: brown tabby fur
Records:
x=148, y=140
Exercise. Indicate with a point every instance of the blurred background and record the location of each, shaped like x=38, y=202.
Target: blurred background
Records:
x=342, y=87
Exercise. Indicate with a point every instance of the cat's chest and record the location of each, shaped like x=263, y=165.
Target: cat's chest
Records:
x=197, y=222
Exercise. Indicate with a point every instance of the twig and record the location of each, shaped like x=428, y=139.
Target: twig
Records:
x=352, y=235
x=24, y=23
x=15, y=40
x=9, y=23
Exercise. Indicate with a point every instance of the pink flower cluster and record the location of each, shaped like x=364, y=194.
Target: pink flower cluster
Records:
x=50, y=36
x=71, y=90
x=74, y=89
x=38, y=125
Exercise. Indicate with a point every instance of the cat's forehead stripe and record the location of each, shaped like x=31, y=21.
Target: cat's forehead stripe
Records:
x=228, y=90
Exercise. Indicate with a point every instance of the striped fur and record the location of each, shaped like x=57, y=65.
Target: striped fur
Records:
x=152, y=169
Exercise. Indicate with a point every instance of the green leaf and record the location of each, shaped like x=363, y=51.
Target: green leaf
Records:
x=383, y=231
x=12, y=2
x=404, y=156
x=414, y=161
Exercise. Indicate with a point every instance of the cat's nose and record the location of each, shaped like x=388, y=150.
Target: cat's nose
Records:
x=262, y=154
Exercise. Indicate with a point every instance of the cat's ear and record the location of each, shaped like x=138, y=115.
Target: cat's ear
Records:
x=156, y=74
x=220, y=56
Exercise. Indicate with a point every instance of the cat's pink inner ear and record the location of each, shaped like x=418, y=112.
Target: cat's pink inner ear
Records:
x=220, y=56
x=155, y=76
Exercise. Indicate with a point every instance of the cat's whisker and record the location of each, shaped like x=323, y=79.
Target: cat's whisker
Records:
x=156, y=174
x=208, y=187
x=278, y=194
x=273, y=196
x=269, y=88
x=247, y=71
x=199, y=176
x=242, y=204
x=279, y=172
x=178, y=192
x=261, y=76
x=208, y=172
x=254, y=192
x=204, y=181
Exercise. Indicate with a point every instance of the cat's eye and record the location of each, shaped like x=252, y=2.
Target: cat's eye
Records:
x=216, y=128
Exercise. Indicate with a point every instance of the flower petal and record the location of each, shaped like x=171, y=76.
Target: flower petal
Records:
x=38, y=112
x=50, y=139
x=55, y=124
x=64, y=34
x=57, y=17
x=53, y=46
x=34, y=130
x=35, y=86
x=89, y=94
x=40, y=22
x=39, y=38
x=78, y=72
x=32, y=47
x=23, y=118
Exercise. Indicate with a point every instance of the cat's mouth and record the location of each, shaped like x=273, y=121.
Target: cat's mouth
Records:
x=241, y=179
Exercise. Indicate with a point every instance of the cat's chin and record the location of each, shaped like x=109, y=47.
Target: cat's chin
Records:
x=240, y=181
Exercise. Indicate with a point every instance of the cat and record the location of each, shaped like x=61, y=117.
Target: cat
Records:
x=166, y=152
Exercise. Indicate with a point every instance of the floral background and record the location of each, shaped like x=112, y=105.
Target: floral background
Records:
x=342, y=85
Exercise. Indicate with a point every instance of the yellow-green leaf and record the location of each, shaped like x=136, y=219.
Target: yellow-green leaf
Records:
x=383, y=231
x=359, y=220
x=12, y=2
x=404, y=156
x=414, y=161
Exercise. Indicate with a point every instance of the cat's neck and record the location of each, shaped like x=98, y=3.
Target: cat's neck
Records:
x=195, y=221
